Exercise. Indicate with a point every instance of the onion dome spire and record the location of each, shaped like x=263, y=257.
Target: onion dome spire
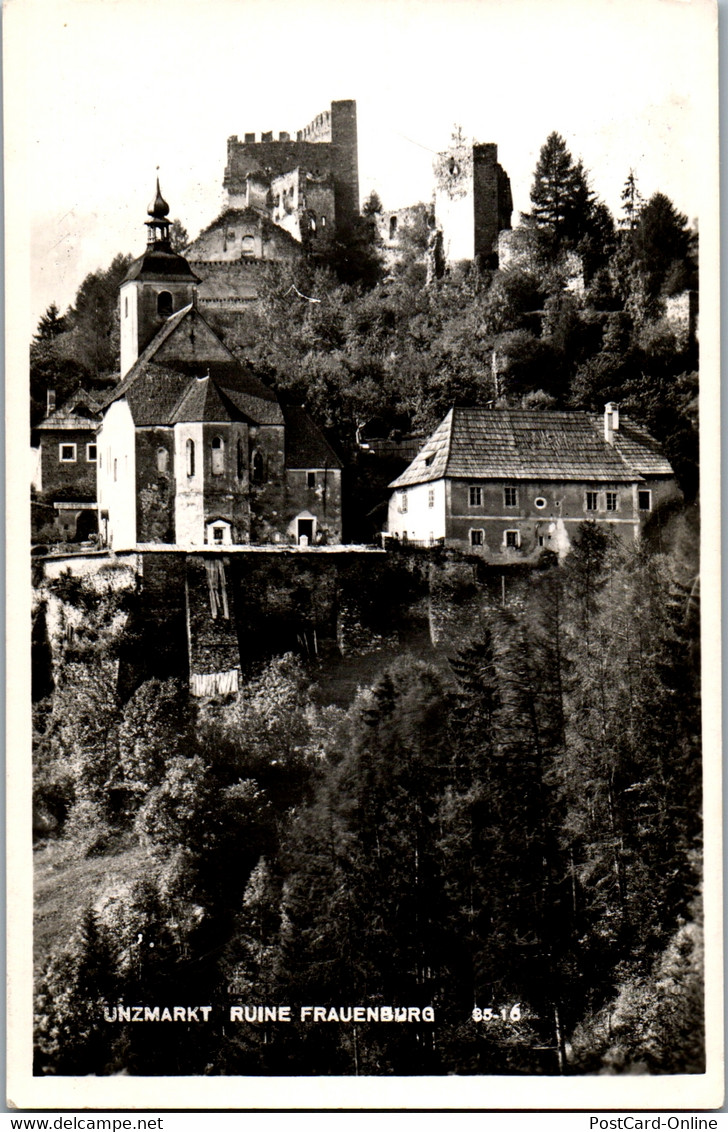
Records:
x=158, y=224
x=159, y=207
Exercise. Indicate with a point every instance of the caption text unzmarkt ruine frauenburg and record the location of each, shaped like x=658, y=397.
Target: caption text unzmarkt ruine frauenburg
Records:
x=256, y=1014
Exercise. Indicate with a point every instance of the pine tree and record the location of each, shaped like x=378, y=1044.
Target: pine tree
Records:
x=631, y=203
x=661, y=242
x=50, y=325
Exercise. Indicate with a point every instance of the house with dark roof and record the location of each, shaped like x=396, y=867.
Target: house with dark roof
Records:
x=193, y=448
x=507, y=484
x=66, y=465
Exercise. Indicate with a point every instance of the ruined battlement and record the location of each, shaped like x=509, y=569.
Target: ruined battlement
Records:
x=319, y=130
x=327, y=145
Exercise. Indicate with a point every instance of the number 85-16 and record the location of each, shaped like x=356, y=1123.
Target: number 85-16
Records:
x=502, y=1015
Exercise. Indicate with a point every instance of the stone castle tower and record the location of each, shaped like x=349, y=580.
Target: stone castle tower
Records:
x=324, y=157
x=473, y=201
x=157, y=285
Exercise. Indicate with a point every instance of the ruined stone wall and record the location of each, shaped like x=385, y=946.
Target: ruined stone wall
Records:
x=329, y=143
x=454, y=207
x=473, y=201
x=240, y=234
x=491, y=203
x=345, y=161
x=276, y=157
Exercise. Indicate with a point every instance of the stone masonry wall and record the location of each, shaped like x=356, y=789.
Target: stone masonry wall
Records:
x=155, y=488
x=323, y=501
x=76, y=479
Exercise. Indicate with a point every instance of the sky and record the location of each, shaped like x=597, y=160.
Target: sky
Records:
x=99, y=93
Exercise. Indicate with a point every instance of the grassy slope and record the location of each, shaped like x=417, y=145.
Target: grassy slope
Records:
x=65, y=883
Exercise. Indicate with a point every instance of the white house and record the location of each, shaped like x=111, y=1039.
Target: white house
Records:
x=508, y=483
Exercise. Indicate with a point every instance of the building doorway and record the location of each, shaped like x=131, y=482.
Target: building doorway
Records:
x=305, y=532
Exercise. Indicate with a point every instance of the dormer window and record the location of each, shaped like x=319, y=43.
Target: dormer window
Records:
x=165, y=304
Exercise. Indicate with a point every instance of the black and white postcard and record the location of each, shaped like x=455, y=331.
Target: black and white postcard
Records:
x=363, y=699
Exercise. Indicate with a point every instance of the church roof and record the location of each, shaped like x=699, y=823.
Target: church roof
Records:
x=154, y=394
x=160, y=265
x=306, y=445
x=163, y=378
x=524, y=444
x=204, y=401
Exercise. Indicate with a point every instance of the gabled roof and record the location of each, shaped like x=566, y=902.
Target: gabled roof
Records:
x=160, y=379
x=257, y=217
x=154, y=393
x=81, y=411
x=204, y=401
x=306, y=445
x=524, y=444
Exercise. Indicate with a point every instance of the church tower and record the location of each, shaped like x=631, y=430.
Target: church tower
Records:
x=157, y=285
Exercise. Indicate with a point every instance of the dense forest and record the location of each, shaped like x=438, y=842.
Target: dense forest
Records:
x=509, y=835
x=506, y=830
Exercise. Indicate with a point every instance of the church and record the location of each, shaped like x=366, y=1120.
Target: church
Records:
x=193, y=449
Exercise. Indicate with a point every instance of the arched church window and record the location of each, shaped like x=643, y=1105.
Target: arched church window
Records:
x=312, y=223
x=190, y=457
x=162, y=461
x=257, y=469
x=218, y=455
x=248, y=245
x=126, y=306
x=164, y=304
x=241, y=460
x=392, y=227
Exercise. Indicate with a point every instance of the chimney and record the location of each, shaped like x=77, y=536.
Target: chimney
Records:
x=611, y=421
x=50, y=401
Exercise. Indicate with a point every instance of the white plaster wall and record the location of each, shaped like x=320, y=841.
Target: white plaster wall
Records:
x=129, y=328
x=421, y=522
x=116, y=441
x=36, y=479
x=189, y=511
